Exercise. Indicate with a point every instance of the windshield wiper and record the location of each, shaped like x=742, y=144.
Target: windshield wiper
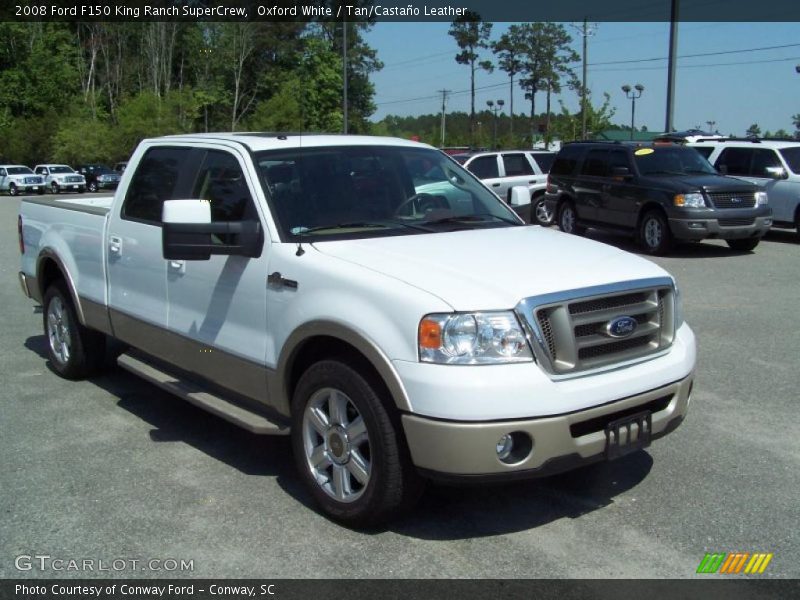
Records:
x=357, y=225
x=665, y=173
x=477, y=218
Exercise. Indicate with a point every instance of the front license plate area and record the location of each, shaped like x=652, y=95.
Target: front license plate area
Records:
x=628, y=434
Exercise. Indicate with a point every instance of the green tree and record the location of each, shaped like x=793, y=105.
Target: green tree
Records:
x=508, y=50
x=567, y=126
x=753, y=131
x=471, y=35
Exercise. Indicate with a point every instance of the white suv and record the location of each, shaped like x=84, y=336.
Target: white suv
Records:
x=501, y=171
x=771, y=163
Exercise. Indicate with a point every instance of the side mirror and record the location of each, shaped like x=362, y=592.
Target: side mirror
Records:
x=621, y=173
x=777, y=173
x=187, y=233
x=520, y=196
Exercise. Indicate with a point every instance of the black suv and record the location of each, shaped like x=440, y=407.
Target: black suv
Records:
x=657, y=192
x=98, y=177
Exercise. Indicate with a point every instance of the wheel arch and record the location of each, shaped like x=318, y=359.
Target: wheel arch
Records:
x=319, y=340
x=49, y=268
x=648, y=206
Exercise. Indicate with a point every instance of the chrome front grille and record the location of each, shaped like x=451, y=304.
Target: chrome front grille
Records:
x=572, y=332
x=733, y=199
x=73, y=179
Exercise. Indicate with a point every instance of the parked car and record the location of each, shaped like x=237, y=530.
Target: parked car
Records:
x=655, y=192
x=98, y=177
x=120, y=166
x=773, y=164
x=19, y=179
x=61, y=178
x=503, y=170
x=399, y=334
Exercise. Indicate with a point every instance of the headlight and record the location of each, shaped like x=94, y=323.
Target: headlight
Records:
x=761, y=198
x=472, y=339
x=693, y=200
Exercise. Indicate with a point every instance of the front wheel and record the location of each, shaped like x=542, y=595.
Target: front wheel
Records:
x=54, y=188
x=348, y=452
x=12, y=189
x=543, y=216
x=74, y=350
x=92, y=186
x=743, y=244
x=655, y=236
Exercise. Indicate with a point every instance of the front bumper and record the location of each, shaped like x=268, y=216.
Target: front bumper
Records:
x=723, y=224
x=107, y=185
x=459, y=451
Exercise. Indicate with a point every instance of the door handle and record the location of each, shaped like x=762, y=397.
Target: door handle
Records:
x=178, y=266
x=495, y=185
x=115, y=245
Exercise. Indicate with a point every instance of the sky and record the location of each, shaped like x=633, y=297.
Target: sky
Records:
x=734, y=89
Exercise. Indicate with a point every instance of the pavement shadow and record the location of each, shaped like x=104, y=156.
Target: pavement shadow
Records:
x=782, y=236
x=175, y=420
x=454, y=513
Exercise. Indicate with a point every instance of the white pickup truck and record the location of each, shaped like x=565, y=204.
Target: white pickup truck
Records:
x=302, y=285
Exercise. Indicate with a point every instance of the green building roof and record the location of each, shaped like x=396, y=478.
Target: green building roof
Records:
x=622, y=135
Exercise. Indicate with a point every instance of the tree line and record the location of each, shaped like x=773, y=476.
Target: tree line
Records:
x=91, y=91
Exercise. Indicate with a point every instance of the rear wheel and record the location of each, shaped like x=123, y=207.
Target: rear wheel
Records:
x=541, y=215
x=568, y=219
x=655, y=236
x=348, y=451
x=744, y=244
x=74, y=350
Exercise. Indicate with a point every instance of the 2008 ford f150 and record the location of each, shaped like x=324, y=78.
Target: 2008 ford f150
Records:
x=317, y=286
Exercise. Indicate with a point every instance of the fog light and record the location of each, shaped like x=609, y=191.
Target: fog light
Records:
x=504, y=446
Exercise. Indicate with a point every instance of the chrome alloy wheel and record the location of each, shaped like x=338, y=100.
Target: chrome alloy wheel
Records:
x=653, y=233
x=543, y=215
x=567, y=219
x=58, y=330
x=336, y=444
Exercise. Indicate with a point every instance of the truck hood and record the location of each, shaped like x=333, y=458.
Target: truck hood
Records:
x=493, y=269
x=690, y=183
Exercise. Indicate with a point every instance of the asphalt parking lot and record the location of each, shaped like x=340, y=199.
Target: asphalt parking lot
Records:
x=114, y=468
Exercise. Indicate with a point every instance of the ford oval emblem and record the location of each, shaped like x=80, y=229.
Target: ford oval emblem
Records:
x=621, y=327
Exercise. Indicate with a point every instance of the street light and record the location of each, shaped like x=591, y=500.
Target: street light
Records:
x=495, y=110
x=711, y=126
x=631, y=93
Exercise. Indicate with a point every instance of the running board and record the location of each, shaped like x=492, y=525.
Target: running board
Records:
x=200, y=397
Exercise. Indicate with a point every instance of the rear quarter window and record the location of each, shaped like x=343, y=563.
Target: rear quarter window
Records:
x=566, y=161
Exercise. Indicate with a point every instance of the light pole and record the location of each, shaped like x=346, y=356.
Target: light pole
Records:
x=633, y=95
x=495, y=110
x=711, y=126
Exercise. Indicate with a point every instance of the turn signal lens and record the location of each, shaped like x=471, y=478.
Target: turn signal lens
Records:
x=430, y=334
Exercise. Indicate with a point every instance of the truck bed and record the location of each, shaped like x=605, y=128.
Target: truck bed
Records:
x=72, y=229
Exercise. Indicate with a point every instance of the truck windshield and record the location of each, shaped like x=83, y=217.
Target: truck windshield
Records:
x=343, y=192
x=19, y=171
x=61, y=169
x=671, y=160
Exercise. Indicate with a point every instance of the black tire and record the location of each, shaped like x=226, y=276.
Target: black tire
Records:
x=92, y=187
x=378, y=452
x=81, y=190
x=54, y=188
x=539, y=212
x=41, y=191
x=85, y=349
x=12, y=189
x=655, y=236
x=568, y=219
x=743, y=244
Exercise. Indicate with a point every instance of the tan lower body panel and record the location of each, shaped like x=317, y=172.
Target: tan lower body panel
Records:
x=463, y=448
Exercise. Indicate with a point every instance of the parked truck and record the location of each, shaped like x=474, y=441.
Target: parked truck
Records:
x=302, y=285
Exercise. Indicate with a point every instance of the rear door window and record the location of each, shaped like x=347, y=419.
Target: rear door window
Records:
x=596, y=164
x=155, y=180
x=762, y=160
x=545, y=161
x=484, y=167
x=517, y=165
x=735, y=161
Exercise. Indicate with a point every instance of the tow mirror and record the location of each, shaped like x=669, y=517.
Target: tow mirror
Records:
x=777, y=173
x=520, y=196
x=187, y=233
x=621, y=173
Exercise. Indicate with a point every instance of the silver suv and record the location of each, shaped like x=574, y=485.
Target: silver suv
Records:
x=500, y=171
x=773, y=164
